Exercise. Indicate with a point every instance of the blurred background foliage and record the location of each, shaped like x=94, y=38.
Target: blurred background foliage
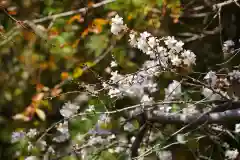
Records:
x=39, y=61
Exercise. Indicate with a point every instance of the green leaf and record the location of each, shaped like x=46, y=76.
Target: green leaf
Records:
x=77, y=72
x=175, y=108
x=159, y=3
x=97, y=43
x=68, y=50
x=107, y=156
x=48, y=2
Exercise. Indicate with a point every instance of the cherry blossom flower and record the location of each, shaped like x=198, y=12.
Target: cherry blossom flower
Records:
x=231, y=154
x=117, y=25
x=69, y=109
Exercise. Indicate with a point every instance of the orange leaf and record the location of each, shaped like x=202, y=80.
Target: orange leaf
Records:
x=12, y=10
x=30, y=110
x=90, y=4
x=56, y=91
x=38, y=97
x=129, y=17
x=39, y=87
x=44, y=65
x=75, y=44
x=53, y=32
x=74, y=18
x=84, y=33
x=100, y=21
x=28, y=35
x=63, y=45
x=64, y=75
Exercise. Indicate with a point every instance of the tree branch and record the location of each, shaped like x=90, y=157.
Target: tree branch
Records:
x=209, y=118
x=69, y=13
x=220, y=5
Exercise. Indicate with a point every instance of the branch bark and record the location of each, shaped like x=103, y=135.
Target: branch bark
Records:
x=209, y=118
x=69, y=13
x=220, y=5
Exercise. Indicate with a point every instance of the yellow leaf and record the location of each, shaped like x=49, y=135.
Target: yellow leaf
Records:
x=100, y=21
x=89, y=64
x=74, y=18
x=41, y=114
x=77, y=72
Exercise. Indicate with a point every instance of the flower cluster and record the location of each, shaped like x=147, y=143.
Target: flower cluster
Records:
x=117, y=25
x=69, y=109
x=216, y=86
x=169, y=55
x=228, y=47
x=231, y=154
x=63, y=132
x=234, y=75
x=17, y=136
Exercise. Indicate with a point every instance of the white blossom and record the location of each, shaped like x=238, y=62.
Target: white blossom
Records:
x=90, y=108
x=162, y=109
x=176, y=60
x=30, y=146
x=228, y=43
x=111, y=137
x=152, y=42
x=84, y=154
x=104, y=118
x=170, y=42
x=117, y=25
x=146, y=99
x=237, y=128
x=181, y=138
x=142, y=42
x=189, y=57
x=128, y=127
x=69, y=109
x=95, y=140
x=32, y=133
x=63, y=134
x=174, y=90
x=113, y=64
x=208, y=93
x=108, y=70
x=234, y=75
x=110, y=150
x=231, y=154
x=190, y=110
x=31, y=158
x=133, y=39
x=211, y=78
x=42, y=145
x=119, y=149
x=225, y=145
x=165, y=155
x=51, y=150
x=178, y=47
x=132, y=139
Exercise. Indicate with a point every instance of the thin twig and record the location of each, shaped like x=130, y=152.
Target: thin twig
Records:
x=69, y=13
x=220, y=5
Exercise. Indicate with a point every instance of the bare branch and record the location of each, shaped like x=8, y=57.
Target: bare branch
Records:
x=216, y=117
x=220, y=5
x=69, y=13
